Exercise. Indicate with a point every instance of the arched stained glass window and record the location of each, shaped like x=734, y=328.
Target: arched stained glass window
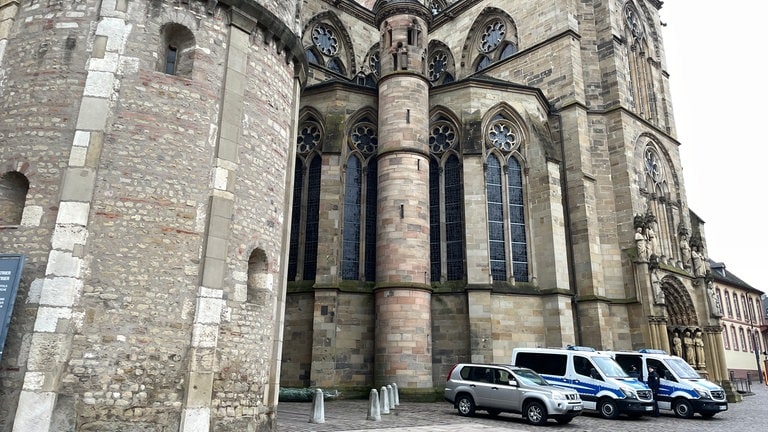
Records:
x=496, y=244
x=435, y=253
x=370, y=219
x=517, y=221
x=311, y=228
x=350, y=261
x=454, y=221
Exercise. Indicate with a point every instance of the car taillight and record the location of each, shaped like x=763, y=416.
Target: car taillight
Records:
x=450, y=372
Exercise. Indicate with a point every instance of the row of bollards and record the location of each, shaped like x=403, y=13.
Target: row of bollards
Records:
x=378, y=404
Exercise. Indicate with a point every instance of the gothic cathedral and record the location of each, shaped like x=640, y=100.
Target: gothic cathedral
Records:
x=209, y=200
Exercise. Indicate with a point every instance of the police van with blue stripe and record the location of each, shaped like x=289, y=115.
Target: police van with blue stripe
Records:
x=601, y=383
x=682, y=390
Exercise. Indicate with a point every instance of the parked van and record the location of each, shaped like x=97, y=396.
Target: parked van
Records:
x=505, y=388
x=600, y=381
x=682, y=390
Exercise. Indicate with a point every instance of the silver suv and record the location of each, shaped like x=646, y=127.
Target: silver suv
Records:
x=504, y=388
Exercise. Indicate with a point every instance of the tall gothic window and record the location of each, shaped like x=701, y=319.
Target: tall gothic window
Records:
x=734, y=339
x=306, y=203
x=445, y=204
x=640, y=73
x=495, y=39
x=726, y=340
x=507, y=238
x=728, y=306
x=360, y=184
x=661, y=204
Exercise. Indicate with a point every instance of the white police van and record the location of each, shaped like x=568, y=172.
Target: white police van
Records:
x=600, y=381
x=682, y=390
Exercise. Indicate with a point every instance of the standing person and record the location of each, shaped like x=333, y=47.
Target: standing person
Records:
x=633, y=372
x=653, y=383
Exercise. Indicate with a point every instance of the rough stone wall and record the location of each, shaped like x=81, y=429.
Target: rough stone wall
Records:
x=124, y=351
x=42, y=75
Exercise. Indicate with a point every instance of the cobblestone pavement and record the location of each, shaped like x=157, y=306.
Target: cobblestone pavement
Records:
x=751, y=415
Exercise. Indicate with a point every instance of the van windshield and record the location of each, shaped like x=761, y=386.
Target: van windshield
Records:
x=609, y=367
x=682, y=369
x=530, y=377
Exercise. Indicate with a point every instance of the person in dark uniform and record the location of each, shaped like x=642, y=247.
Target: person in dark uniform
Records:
x=653, y=383
x=633, y=372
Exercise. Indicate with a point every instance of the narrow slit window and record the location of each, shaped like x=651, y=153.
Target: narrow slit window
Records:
x=170, y=60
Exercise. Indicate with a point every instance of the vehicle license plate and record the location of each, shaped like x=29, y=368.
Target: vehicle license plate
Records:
x=649, y=408
x=723, y=407
x=578, y=408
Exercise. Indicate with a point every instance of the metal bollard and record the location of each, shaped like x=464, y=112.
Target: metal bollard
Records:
x=384, y=398
x=374, y=410
x=318, y=408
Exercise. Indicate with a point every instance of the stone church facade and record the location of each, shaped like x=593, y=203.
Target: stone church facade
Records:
x=216, y=199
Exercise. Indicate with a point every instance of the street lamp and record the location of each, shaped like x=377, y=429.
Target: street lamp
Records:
x=752, y=318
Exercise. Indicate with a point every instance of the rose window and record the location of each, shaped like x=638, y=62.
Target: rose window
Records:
x=325, y=40
x=502, y=136
x=437, y=66
x=442, y=137
x=364, y=138
x=309, y=138
x=494, y=34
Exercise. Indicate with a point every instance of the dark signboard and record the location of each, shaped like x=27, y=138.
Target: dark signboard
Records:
x=10, y=275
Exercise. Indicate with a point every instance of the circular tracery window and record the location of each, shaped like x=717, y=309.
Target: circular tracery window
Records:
x=374, y=64
x=653, y=165
x=437, y=65
x=364, y=139
x=442, y=137
x=502, y=135
x=630, y=15
x=309, y=138
x=492, y=37
x=325, y=40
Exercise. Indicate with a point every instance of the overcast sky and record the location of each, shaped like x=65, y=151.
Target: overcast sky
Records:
x=718, y=94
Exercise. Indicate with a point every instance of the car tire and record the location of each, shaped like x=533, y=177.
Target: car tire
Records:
x=535, y=413
x=564, y=420
x=683, y=408
x=465, y=406
x=608, y=408
x=494, y=412
x=708, y=414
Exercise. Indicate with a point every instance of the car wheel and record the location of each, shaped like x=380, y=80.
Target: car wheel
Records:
x=683, y=408
x=494, y=412
x=535, y=413
x=465, y=406
x=608, y=408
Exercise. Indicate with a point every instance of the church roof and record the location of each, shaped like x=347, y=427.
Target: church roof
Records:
x=724, y=276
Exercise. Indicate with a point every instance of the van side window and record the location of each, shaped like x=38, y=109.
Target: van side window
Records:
x=627, y=361
x=660, y=369
x=583, y=366
x=549, y=364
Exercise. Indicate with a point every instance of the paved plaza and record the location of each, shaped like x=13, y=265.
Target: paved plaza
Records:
x=751, y=415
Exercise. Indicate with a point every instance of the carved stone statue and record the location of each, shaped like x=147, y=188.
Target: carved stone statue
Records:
x=714, y=301
x=685, y=252
x=677, y=344
x=642, y=251
x=697, y=258
x=698, y=343
x=690, y=350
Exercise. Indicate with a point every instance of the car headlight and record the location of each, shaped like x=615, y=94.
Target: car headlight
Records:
x=629, y=393
x=558, y=396
x=703, y=394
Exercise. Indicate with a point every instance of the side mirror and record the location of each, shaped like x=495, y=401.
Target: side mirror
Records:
x=513, y=382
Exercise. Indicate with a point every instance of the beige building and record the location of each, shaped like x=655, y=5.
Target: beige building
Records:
x=217, y=199
x=745, y=329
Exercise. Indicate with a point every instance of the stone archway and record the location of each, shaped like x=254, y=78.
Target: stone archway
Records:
x=683, y=329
